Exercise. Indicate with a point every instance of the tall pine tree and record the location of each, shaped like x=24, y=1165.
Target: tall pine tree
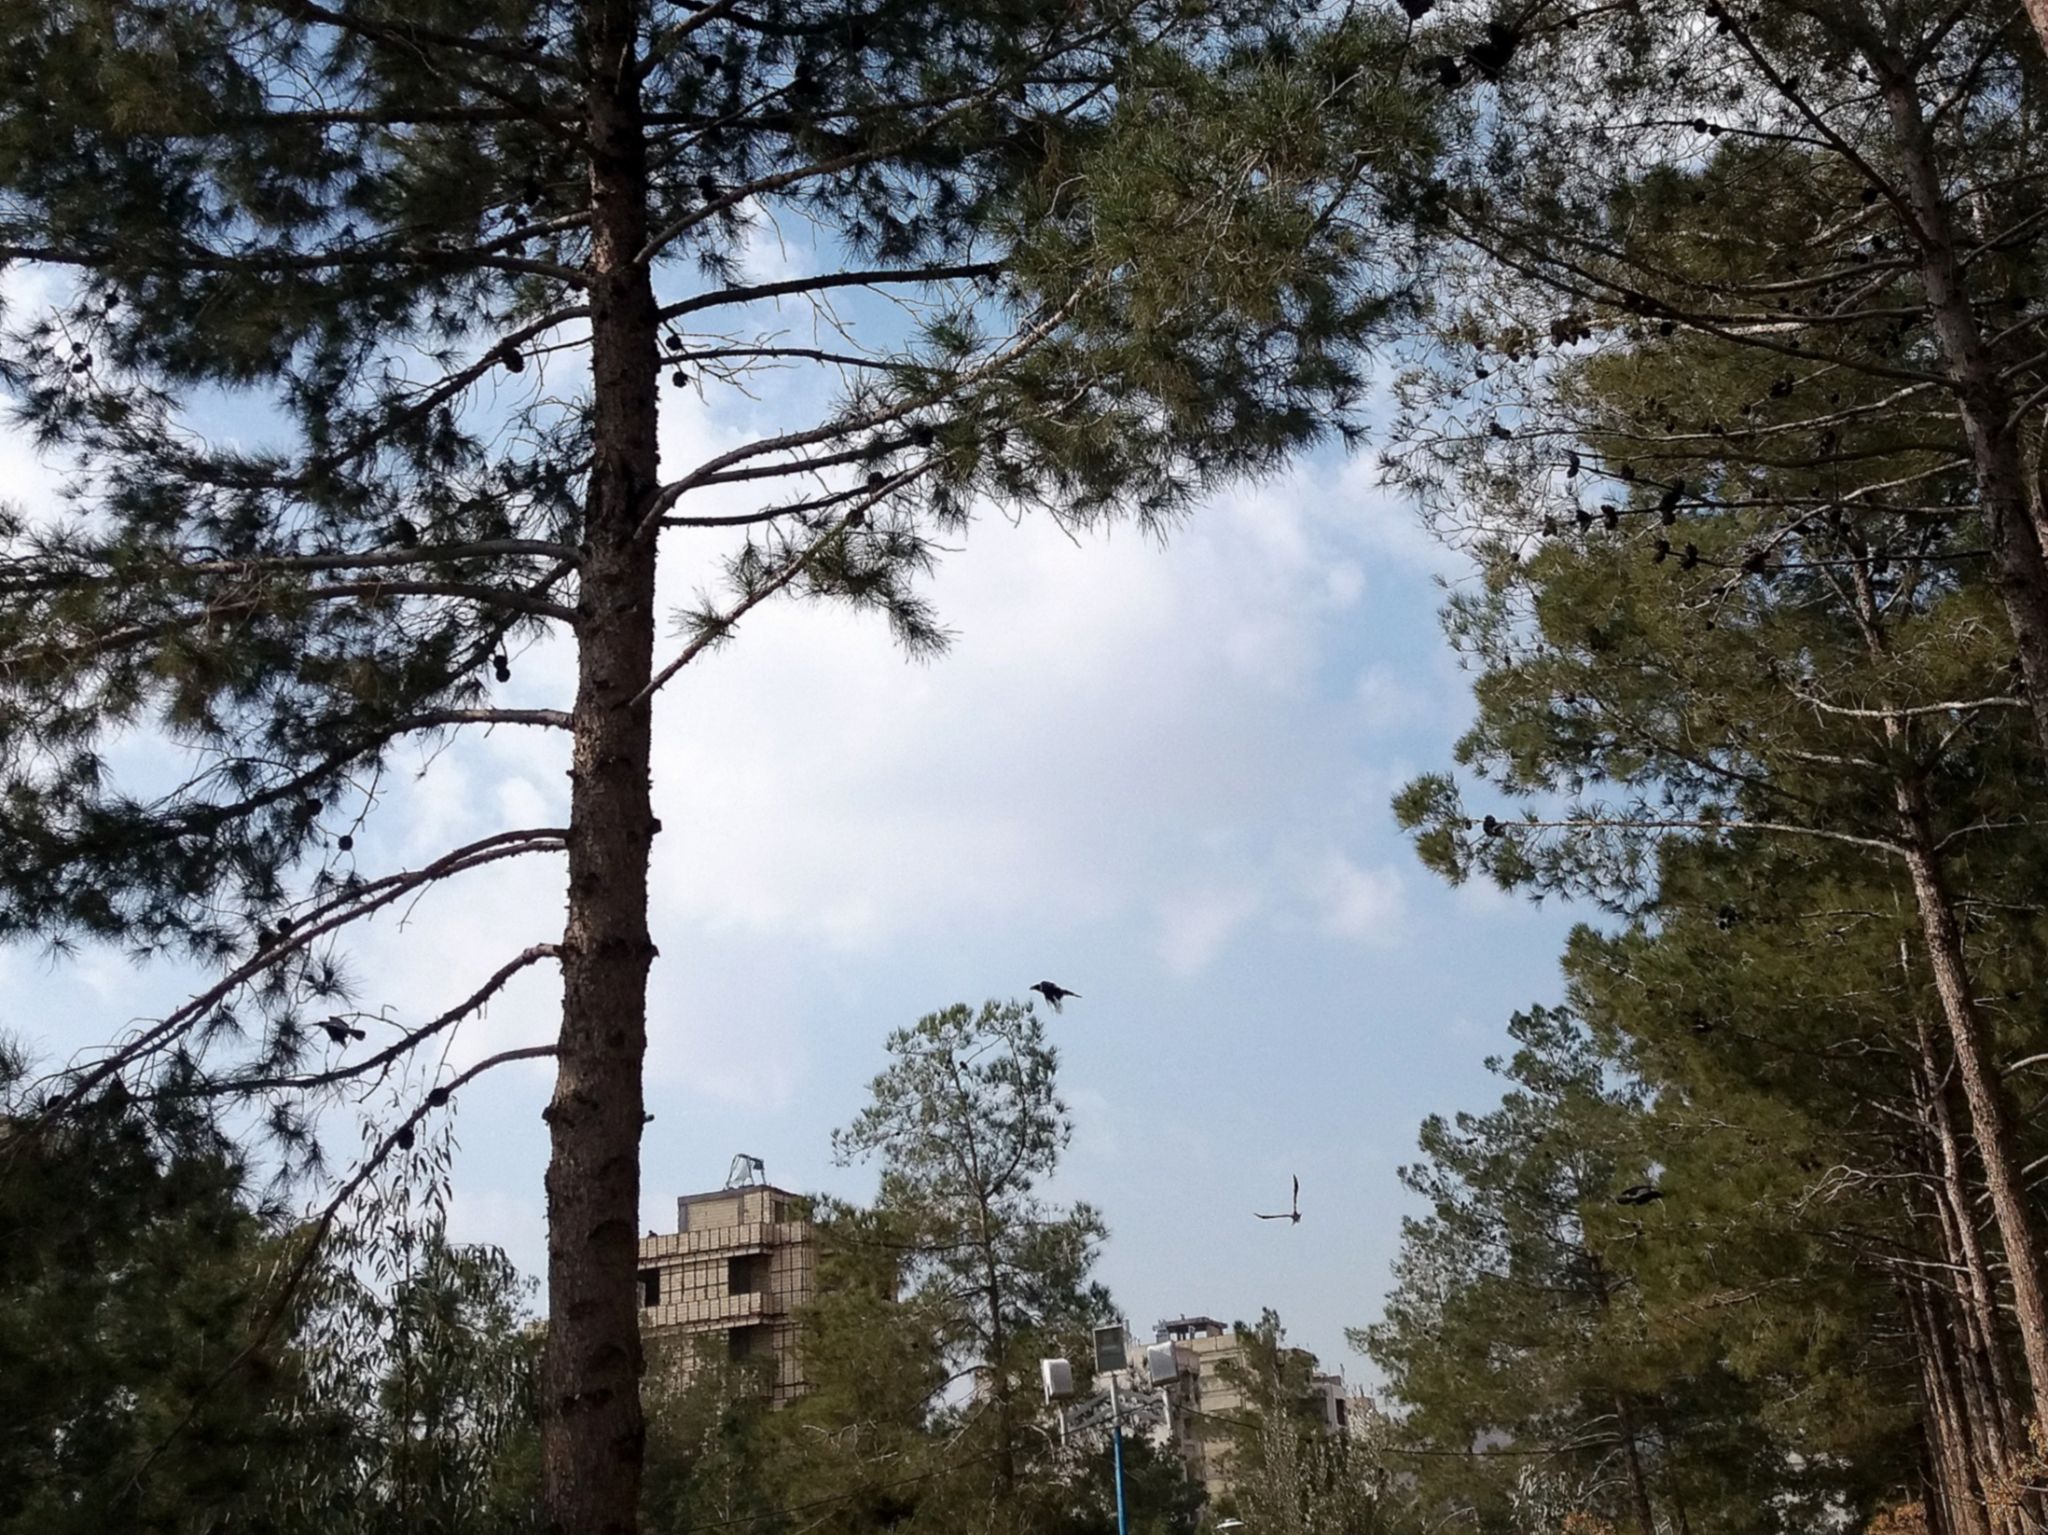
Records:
x=366, y=316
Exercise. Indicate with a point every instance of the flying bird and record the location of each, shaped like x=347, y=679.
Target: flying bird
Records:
x=1639, y=1194
x=1055, y=994
x=340, y=1032
x=1293, y=1215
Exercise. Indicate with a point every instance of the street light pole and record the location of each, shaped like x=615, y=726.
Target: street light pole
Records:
x=1116, y=1451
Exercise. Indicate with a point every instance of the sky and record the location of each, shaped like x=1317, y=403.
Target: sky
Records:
x=1155, y=773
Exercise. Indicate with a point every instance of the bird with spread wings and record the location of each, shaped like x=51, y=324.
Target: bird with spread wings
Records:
x=1293, y=1215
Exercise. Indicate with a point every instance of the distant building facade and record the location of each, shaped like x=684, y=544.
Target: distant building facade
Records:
x=1206, y=1401
x=732, y=1276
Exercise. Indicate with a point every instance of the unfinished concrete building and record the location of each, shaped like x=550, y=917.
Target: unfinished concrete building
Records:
x=731, y=1278
x=1206, y=1399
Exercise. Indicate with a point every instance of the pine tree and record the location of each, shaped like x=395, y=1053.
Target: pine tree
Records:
x=966, y=1123
x=1846, y=191
x=1288, y=1472
x=129, y=1266
x=366, y=318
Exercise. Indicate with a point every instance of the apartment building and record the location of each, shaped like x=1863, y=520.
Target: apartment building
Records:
x=732, y=1276
x=1206, y=1400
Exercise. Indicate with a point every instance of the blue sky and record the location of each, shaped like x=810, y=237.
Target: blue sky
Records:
x=1157, y=774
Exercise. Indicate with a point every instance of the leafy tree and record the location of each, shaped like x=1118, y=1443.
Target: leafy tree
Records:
x=1844, y=191
x=1718, y=1358
x=1775, y=634
x=150, y=1383
x=129, y=1268
x=366, y=320
x=965, y=1123
x=707, y=1456
x=1289, y=1473
x=1500, y=1329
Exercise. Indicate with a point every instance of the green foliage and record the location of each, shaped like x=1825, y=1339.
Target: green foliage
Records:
x=1289, y=1473
x=1135, y=236
x=1726, y=1336
x=130, y=1272
x=965, y=1123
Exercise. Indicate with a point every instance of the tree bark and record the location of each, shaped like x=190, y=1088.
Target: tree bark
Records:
x=2002, y=1431
x=1969, y=1241
x=1988, y=1119
x=1933, y=1494
x=1964, y=1503
x=1638, y=1488
x=2037, y=13
x=1984, y=398
x=593, y=1435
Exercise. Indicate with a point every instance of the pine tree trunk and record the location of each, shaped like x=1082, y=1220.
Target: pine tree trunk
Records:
x=1950, y=968
x=1969, y=1242
x=2037, y=13
x=1984, y=398
x=1984, y=1412
x=1933, y=1495
x=2001, y=1431
x=1964, y=1505
x=593, y=1435
x=1979, y=1409
x=1638, y=1488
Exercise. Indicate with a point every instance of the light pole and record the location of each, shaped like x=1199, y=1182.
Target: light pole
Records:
x=1109, y=1359
x=1058, y=1378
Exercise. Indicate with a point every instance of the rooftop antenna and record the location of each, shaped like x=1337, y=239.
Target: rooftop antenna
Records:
x=746, y=1172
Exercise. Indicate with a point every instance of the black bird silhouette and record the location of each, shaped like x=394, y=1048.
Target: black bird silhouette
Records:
x=1491, y=57
x=1492, y=826
x=1292, y=1215
x=1417, y=9
x=1639, y=1194
x=1055, y=994
x=340, y=1032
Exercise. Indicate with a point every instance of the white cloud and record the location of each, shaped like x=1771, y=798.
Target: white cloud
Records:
x=1387, y=701
x=1194, y=925
x=1366, y=905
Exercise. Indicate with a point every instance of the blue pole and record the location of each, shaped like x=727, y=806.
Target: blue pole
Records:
x=1116, y=1450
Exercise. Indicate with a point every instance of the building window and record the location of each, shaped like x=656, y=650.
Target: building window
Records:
x=650, y=1287
x=742, y=1342
x=1341, y=1414
x=746, y=1274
